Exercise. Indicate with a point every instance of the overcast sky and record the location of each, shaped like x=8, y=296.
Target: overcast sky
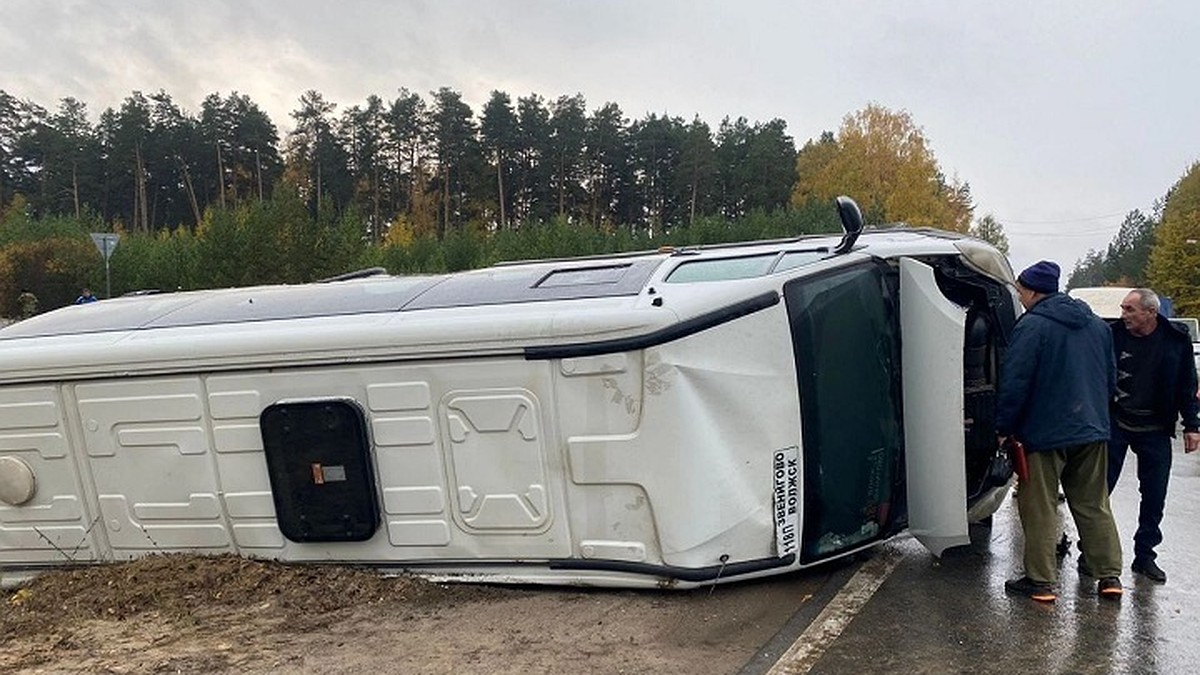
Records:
x=1062, y=116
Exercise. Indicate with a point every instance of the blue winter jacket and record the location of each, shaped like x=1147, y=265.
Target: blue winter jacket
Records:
x=1058, y=377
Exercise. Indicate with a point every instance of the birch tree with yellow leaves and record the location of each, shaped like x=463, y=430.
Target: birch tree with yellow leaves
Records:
x=882, y=159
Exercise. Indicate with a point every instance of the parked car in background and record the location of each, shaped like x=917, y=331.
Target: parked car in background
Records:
x=1192, y=326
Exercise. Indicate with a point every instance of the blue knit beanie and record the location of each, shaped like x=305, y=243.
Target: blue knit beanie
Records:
x=1041, y=277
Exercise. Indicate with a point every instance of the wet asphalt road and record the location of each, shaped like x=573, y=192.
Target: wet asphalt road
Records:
x=952, y=615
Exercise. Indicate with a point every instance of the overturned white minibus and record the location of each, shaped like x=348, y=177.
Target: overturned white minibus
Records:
x=673, y=418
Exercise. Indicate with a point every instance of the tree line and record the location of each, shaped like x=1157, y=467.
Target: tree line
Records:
x=423, y=184
x=433, y=163
x=426, y=184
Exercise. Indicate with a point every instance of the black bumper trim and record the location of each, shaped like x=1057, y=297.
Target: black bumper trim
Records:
x=658, y=337
x=693, y=574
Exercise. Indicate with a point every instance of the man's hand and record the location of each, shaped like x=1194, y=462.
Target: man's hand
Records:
x=1191, y=441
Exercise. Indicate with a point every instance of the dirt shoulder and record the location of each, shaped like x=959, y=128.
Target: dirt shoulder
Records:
x=178, y=613
x=192, y=614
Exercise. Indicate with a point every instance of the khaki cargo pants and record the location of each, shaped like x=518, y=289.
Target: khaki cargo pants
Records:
x=1082, y=471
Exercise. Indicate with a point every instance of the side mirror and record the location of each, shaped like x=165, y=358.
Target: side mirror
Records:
x=852, y=223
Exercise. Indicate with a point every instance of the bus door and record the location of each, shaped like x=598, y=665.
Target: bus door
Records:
x=932, y=332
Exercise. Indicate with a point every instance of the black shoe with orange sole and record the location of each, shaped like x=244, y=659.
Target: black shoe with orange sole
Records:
x=1034, y=590
x=1110, y=588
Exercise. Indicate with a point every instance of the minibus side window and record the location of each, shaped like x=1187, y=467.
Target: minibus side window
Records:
x=846, y=348
x=722, y=269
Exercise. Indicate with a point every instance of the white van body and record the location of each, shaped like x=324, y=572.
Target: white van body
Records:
x=1105, y=301
x=671, y=418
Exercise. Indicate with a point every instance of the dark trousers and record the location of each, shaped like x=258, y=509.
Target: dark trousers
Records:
x=1153, y=450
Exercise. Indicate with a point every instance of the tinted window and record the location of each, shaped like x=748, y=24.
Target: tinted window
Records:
x=847, y=354
x=319, y=465
x=589, y=275
x=231, y=305
x=535, y=282
x=722, y=269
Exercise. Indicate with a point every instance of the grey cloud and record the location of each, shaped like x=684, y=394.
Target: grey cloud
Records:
x=1051, y=111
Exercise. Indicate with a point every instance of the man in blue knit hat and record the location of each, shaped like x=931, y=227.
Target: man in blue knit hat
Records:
x=1056, y=381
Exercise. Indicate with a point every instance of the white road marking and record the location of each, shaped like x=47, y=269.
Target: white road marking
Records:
x=829, y=624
